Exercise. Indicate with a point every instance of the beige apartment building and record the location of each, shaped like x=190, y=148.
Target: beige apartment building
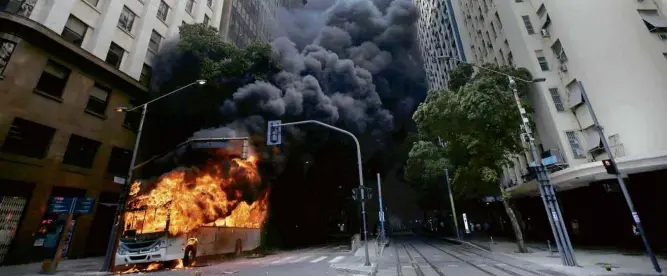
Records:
x=617, y=49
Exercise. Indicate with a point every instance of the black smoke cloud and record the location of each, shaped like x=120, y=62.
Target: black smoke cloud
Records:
x=352, y=63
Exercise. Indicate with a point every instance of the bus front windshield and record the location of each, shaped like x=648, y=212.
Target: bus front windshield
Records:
x=146, y=221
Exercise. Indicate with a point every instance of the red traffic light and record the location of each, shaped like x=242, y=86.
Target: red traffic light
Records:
x=609, y=166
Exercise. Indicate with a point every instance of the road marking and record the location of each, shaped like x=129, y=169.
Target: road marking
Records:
x=300, y=259
x=337, y=259
x=283, y=260
x=318, y=259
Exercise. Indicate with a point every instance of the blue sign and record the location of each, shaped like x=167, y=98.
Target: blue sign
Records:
x=60, y=205
x=84, y=205
x=76, y=205
x=209, y=145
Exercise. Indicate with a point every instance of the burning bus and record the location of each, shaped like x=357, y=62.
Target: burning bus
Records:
x=195, y=211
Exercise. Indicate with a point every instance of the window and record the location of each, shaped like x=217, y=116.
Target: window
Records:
x=557, y=48
x=154, y=43
x=163, y=11
x=493, y=30
x=189, y=5
x=574, y=144
x=6, y=49
x=544, y=65
x=53, y=79
x=126, y=19
x=575, y=97
x=119, y=161
x=541, y=11
x=529, y=26
x=98, y=98
x=115, y=55
x=519, y=1
x=74, y=30
x=510, y=59
x=206, y=20
x=500, y=24
x=27, y=138
x=664, y=55
x=209, y=3
x=80, y=151
x=146, y=73
x=555, y=96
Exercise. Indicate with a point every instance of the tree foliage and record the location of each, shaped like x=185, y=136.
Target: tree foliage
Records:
x=200, y=53
x=478, y=123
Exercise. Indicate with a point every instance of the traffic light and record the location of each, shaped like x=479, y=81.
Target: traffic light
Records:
x=609, y=166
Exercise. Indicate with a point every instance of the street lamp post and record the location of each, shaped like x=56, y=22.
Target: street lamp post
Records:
x=547, y=191
x=116, y=227
x=451, y=197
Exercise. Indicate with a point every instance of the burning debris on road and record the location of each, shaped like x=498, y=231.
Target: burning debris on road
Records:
x=225, y=192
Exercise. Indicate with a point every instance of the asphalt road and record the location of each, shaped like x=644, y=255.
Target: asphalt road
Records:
x=305, y=262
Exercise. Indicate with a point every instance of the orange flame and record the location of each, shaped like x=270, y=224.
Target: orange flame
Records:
x=191, y=198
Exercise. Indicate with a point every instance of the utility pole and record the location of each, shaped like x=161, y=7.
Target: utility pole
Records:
x=274, y=137
x=381, y=213
x=621, y=182
x=451, y=197
x=546, y=189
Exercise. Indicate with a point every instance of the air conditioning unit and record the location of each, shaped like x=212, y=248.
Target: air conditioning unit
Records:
x=563, y=68
x=545, y=33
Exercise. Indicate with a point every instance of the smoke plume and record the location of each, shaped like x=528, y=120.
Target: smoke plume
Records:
x=352, y=63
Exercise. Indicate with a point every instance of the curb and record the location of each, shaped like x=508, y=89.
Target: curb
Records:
x=355, y=271
x=456, y=241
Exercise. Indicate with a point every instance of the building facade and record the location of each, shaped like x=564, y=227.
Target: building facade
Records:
x=244, y=21
x=124, y=33
x=622, y=73
x=438, y=37
x=59, y=137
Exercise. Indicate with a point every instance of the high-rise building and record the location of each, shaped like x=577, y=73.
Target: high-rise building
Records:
x=438, y=37
x=126, y=34
x=246, y=20
x=622, y=72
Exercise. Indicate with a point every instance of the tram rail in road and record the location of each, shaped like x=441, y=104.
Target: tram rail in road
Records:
x=460, y=259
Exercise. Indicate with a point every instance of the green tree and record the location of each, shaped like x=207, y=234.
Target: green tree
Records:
x=478, y=124
x=200, y=53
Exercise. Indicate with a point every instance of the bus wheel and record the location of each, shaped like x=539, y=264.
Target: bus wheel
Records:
x=190, y=255
x=238, y=249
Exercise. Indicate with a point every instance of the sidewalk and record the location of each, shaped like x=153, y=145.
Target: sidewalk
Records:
x=78, y=267
x=355, y=266
x=591, y=262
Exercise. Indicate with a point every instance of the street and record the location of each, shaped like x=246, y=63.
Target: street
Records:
x=310, y=261
x=419, y=257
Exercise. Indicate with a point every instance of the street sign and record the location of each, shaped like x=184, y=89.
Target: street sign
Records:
x=60, y=205
x=66, y=205
x=274, y=133
x=119, y=180
x=209, y=145
x=84, y=205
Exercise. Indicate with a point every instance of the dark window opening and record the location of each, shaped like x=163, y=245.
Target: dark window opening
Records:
x=28, y=138
x=119, y=161
x=146, y=74
x=80, y=151
x=74, y=30
x=53, y=79
x=98, y=99
x=115, y=55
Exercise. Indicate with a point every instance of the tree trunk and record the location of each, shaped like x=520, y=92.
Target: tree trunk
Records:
x=515, y=223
